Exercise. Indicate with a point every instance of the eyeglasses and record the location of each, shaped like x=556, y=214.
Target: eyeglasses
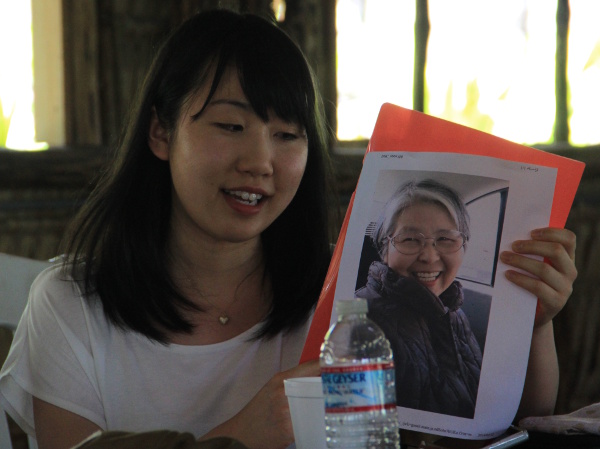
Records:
x=445, y=242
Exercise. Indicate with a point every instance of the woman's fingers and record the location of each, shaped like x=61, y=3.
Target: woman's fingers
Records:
x=557, y=269
x=551, y=279
x=556, y=246
x=306, y=369
x=564, y=237
x=551, y=300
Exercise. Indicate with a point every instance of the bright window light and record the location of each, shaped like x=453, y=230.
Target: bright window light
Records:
x=17, y=125
x=584, y=72
x=490, y=66
x=375, y=53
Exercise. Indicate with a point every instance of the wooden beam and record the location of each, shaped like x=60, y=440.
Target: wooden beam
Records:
x=82, y=88
x=561, y=125
x=421, y=38
x=48, y=71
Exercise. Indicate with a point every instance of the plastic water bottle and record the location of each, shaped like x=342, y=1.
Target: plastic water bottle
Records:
x=357, y=372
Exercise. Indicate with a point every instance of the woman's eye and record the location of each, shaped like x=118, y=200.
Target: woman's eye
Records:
x=287, y=136
x=232, y=127
x=446, y=240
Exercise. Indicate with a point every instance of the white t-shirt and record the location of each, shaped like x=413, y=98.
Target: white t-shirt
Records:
x=65, y=352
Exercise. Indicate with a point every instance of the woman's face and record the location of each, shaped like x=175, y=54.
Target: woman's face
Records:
x=233, y=174
x=430, y=268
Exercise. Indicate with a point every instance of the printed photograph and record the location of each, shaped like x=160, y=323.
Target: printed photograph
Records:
x=427, y=268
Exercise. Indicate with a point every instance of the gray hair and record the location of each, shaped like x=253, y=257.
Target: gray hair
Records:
x=419, y=192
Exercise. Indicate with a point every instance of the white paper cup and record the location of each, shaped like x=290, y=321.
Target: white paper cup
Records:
x=307, y=407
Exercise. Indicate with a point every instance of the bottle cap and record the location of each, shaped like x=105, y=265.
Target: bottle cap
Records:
x=350, y=306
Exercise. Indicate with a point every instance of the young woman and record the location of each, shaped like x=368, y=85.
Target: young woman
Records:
x=194, y=267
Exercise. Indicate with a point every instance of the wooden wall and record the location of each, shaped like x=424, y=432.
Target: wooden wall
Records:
x=108, y=45
x=39, y=193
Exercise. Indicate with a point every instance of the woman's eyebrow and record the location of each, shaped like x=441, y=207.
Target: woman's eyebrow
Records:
x=410, y=229
x=229, y=101
x=243, y=105
x=419, y=230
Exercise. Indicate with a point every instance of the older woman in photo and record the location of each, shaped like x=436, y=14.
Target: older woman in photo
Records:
x=421, y=237
x=414, y=297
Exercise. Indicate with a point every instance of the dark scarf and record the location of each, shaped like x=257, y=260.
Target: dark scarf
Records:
x=386, y=282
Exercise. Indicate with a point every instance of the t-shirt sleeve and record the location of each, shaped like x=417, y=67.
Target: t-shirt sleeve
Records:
x=51, y=357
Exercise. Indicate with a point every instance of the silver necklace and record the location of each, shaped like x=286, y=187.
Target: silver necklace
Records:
x=224, y=317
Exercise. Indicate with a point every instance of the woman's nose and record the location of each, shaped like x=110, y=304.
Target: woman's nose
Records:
x=256, y=155
x=429, y=251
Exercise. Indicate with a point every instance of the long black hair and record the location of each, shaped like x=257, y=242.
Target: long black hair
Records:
x=117, y=244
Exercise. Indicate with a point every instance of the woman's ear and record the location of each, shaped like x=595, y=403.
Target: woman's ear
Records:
x=158, y=137
x=384, y=257
x=382, y=251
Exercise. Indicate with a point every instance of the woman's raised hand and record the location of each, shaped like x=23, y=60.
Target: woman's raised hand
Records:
x=551, y=281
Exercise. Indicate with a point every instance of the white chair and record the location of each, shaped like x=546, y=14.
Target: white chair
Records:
x=16, y=275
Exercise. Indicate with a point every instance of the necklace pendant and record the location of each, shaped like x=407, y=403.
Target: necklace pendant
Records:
x=223, y=319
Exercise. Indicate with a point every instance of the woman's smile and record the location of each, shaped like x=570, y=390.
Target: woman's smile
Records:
x=246, y=202
x=244, y=197
x=426, y=277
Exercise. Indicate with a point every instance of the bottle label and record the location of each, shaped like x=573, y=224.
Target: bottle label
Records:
x=360, y=388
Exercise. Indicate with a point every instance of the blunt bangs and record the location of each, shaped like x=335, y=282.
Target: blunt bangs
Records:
x=272, y=70
x=282, y=85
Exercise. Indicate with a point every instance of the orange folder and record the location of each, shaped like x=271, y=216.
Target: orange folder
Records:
x=400, y=129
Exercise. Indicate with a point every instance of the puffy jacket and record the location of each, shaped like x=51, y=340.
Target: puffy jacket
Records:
x=436, y=355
